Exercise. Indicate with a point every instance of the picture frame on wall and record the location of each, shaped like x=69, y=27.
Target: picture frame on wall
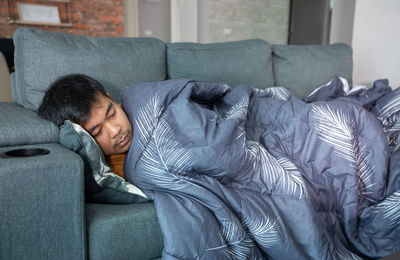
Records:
x=38, y=13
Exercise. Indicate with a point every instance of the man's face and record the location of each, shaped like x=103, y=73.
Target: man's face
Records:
x=109, y=126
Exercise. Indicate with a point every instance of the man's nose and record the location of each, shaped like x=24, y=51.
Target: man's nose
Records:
x=114, y=130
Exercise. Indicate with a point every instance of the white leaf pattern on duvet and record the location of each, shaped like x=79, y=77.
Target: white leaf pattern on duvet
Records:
x=264, y=229
x=338, y=130
x=147, y=119
x=389, y=117
x=296, y=176
x=163, y=158
x=275, y=92
x=390, y=208
x=237, y=242
x=238, y=110
x=390, y=108
x=237, y=249
x=281, y=174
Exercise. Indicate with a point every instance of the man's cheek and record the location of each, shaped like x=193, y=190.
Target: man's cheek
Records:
x=101, y=143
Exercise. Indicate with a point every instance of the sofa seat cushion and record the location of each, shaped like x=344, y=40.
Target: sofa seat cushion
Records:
x=247, y=62
x=133, y=227
x=302, y=68
x=43, y=56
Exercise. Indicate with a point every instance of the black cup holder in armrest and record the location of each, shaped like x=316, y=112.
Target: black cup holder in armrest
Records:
x=26, y=152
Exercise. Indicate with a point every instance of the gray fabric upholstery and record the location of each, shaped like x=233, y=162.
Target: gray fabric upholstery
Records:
x=302, y=68
x=133, y=227
x=246, y=62
x=42, y=205
x=43, y=56
x=20, y=126
x=14, y=91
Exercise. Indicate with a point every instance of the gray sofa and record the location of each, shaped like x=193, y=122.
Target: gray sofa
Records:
x=43, y=213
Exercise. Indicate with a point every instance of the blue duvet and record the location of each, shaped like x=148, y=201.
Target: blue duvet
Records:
x=243, y=173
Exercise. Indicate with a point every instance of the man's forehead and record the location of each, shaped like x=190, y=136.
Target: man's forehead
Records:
x=99, y=112
x=101, y=101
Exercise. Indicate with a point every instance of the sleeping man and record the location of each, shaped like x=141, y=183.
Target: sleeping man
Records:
x=243, y=173
x=83, y=100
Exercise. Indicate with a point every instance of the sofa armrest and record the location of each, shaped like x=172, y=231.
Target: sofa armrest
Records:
x=20, y=126
x=42, y=205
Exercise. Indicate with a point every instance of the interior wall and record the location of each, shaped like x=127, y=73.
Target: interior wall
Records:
x=130, y=18
x=184, y=20
x=217, y=20
x=342, y=21
x=154, y=19
x=202, y=26
x=376, y=41
x=237, y=19
x=309, y=22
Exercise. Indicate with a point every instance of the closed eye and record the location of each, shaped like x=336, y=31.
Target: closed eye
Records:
x=97, y=133
x=110, y=113
x=113, y=114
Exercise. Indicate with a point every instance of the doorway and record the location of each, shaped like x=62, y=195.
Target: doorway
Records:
x=154, y=19
x=309, y=21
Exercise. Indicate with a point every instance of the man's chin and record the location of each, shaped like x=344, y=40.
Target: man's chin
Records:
x=125, y=149
x=128, y=144
x=124, y=145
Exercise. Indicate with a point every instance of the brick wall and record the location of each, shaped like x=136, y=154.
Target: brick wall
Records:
x=101, y=18
x=240, y=19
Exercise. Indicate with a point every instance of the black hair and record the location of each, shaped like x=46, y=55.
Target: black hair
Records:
x=71, y=97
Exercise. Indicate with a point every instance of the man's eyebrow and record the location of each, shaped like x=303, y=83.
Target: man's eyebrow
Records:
x=109, y=107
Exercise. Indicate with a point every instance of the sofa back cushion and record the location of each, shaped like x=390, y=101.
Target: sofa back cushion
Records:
x=42, y=56
x=302, y=68
x=246, y=62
